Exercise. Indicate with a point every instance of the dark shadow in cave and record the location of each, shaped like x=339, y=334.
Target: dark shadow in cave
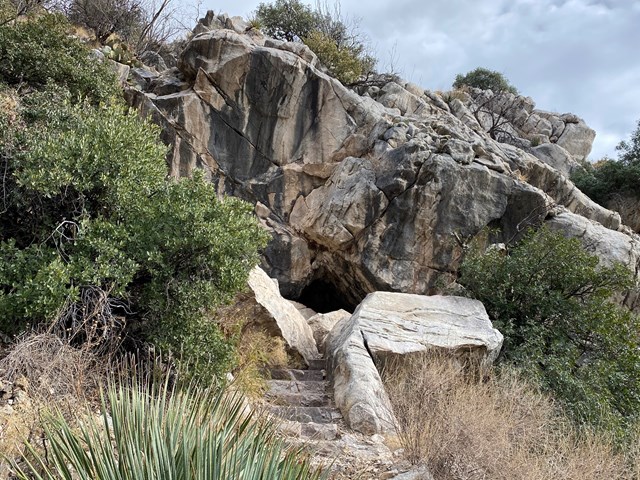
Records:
x=323, y=297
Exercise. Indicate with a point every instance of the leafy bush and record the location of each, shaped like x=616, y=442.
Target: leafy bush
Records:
x=339, y=47
x=154, y=431
x=486, y=80
x=606, y=178
x=289, y=20
x=40, y=52
x=345, y=64
x=93, y=234
x=551, y=300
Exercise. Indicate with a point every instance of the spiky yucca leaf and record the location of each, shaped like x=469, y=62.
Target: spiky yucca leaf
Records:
x=155, y=432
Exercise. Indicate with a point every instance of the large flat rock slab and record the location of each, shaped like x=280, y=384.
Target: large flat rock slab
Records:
x=400, y=323
x=388, y=323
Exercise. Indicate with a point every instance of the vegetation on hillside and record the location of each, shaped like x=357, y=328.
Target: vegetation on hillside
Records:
x=608, y=178
x=485, y=79
x=339, y=45
x=553, y=302
x=94, y=237
x=148, y=429
x=496, y=425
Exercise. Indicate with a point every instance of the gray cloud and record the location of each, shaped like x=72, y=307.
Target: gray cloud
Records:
x=574, y=56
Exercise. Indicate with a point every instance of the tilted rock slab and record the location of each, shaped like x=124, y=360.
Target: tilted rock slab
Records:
x=279, y=317
x=400, y=324
x=378, y=191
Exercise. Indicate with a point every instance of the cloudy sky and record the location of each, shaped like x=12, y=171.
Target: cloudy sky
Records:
x=578, y=56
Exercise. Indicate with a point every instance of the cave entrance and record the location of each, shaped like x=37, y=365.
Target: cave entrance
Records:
x=324, y=297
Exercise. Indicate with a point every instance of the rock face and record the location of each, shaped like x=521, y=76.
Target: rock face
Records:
x=400, y=324
x=629, y=209
x=378, y=191
x=279, y=317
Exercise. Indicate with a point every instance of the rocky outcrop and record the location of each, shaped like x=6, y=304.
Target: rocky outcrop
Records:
x=395, y=324
x=513, y=118
x=608, y=245
x=378, y=191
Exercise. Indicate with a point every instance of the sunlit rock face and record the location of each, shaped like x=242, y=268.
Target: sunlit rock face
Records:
x=361, y=192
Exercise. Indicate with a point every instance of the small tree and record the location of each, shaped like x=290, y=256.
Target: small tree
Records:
x=485, y=79
x=289, y=20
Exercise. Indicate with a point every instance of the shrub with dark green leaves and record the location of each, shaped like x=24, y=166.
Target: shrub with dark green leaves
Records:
x=485, y=79
x=339, y=46
x=95, y=236
x=40, y=51
x=552, y=301
x=608, y=178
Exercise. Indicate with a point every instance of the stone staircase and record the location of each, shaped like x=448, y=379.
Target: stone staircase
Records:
x=301, y=398
x=301, y=401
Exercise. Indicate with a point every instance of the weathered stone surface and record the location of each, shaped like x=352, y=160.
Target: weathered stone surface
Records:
x=121, y=70
x=557, y=157
x=357, y=387
x=629, y=209
x=400, y=324
x=577, y=139
x=323, y=323
x=280, y=317
x=153, y=59
x=387, y=323
x=360, y=193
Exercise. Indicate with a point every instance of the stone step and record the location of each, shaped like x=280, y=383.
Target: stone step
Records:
x=301, y=394
x=309, y=431
x=317, y=364
x=299, y=375
x=306, y=414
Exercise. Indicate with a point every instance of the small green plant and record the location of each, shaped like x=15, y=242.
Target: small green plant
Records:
x=552, y=301
x=485, y=79
x=152, y=430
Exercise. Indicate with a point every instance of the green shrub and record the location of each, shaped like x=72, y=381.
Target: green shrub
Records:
x=94, y=235
x=607, y=178
x=486, y=80
x=153, y=431
x=289, y=20
x=551, y=300
x=40, y=51
x=339, y=47
x=345, y=64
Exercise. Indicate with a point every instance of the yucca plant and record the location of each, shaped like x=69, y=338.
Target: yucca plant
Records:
x=151, y=431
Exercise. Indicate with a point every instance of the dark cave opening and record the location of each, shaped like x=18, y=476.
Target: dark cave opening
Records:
x=324, y=297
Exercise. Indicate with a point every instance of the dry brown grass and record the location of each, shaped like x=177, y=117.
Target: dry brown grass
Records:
x=497, y=428
x=257, y=349
x=54, y=369
x=58, y=377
